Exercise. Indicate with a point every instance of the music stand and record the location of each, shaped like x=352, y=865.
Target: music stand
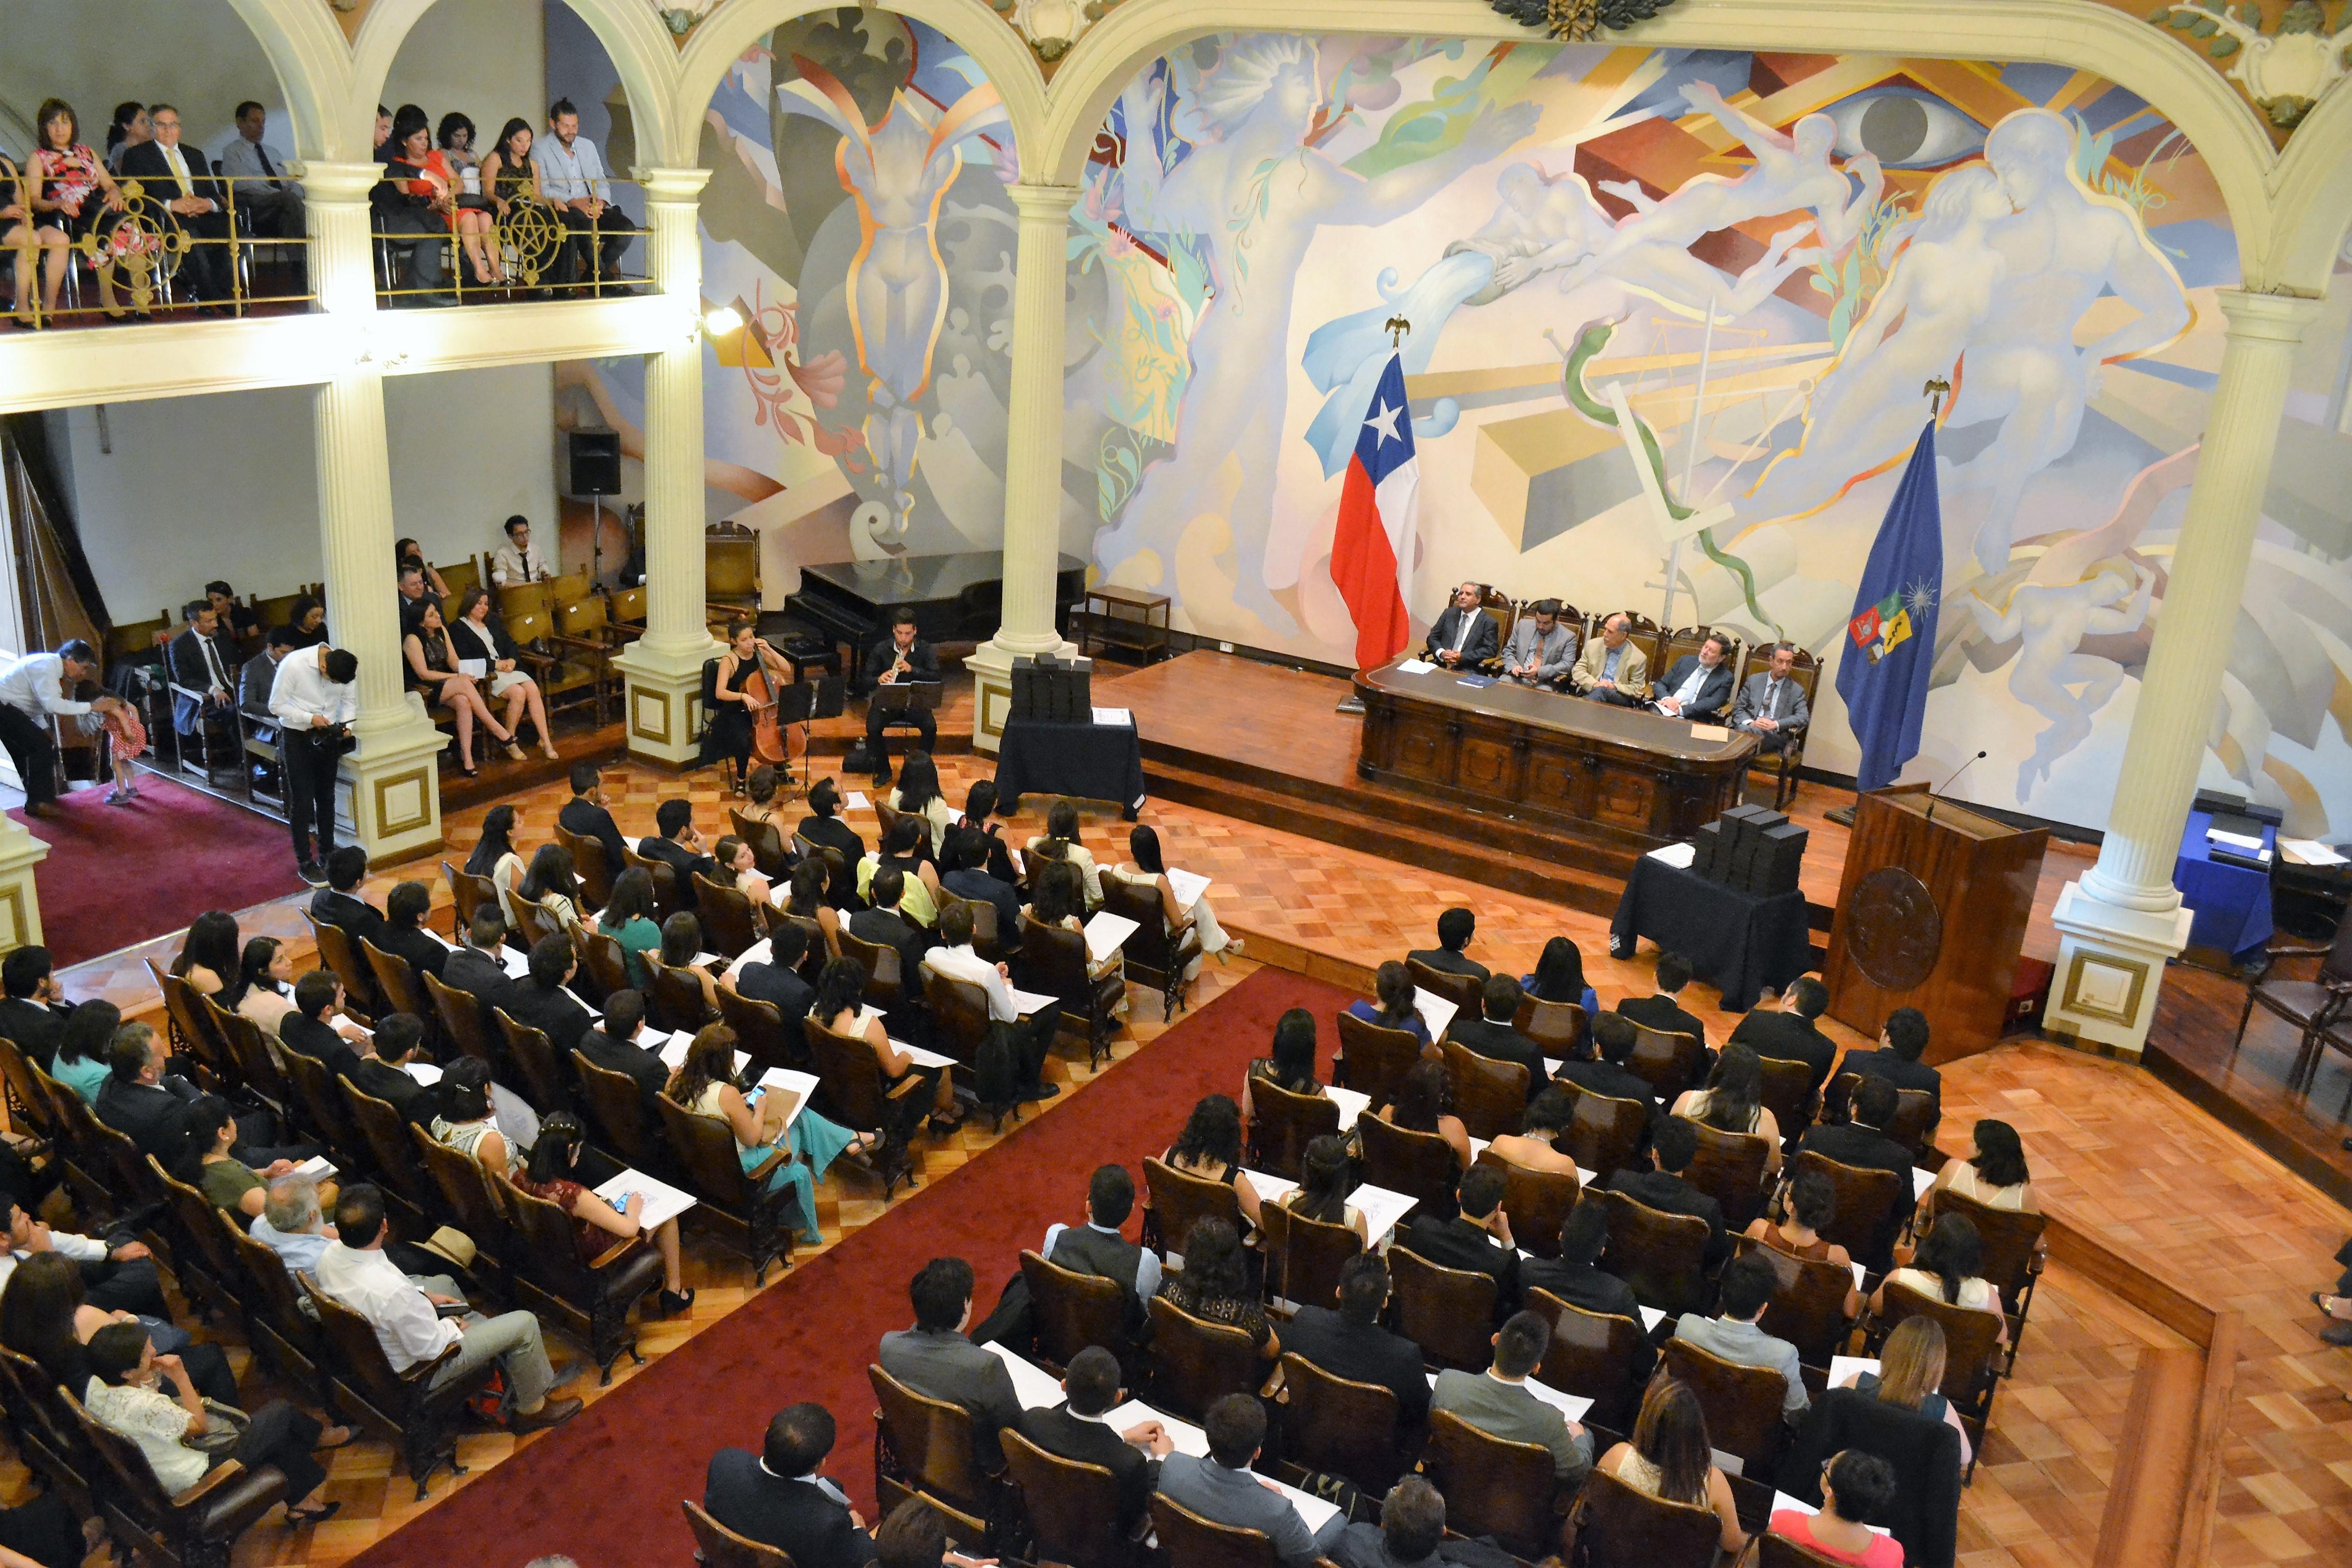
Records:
x=902, y=696
x=804, y=702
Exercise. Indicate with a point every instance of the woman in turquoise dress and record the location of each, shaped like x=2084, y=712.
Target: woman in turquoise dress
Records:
x=628, y=919
x=762, y=1123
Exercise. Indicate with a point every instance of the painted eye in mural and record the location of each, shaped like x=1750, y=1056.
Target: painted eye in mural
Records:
x=1904, y=129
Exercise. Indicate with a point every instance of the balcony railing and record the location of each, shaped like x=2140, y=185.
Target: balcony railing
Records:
x=148, y=250
x=470, y=249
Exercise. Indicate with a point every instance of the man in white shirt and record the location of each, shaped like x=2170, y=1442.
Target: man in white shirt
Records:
x=118, y=1274
x=515, y=561
x=180, y=179
x=32, y=695
x=571, y=175
x=1028, y=1038
x=1698, y=687
x=269, y=200
x=314, y=701
x=407, y=1323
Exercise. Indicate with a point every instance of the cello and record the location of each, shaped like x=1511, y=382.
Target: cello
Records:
x=771, y=742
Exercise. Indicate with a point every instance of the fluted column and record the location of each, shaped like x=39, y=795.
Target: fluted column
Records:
x=664, y=668
x=2122, y=918
x=388, y=795
x=1032, y=457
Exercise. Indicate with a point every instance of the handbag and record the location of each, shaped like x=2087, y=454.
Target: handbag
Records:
x=225, y=1428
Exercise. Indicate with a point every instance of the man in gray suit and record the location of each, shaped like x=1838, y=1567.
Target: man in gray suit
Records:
x=1465, y=634
x=1748, y=1284
x=1541, y=649
x=933, y=1358
x=1497, y=1403
x=1772, y=706
x=1221, y=1488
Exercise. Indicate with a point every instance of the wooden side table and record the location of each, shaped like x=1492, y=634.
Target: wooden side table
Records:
x=1127, y=618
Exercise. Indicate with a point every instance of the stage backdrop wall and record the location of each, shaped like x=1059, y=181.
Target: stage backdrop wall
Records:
x=198, y=488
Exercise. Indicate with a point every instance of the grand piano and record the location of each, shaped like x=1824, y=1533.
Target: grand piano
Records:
x=956, y=598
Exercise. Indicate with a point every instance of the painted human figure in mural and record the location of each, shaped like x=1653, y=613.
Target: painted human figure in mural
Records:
x=896, y=173
x=1253, y=193
x=2064, y=246
x=1867, y=408
x=2051, y=622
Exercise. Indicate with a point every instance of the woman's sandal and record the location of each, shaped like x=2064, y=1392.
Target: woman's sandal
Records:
x=514, y=751
x=303, y=1518
x=324, y=1444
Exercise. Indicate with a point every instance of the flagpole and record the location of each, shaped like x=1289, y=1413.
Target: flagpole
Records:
x=1396, y=327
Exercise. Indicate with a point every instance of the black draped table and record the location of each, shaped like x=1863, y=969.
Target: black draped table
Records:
x=1736, y=941
x=1089, y=762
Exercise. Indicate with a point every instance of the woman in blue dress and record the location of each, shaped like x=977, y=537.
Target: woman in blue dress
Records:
x=762, y=1124
x=1560, y=977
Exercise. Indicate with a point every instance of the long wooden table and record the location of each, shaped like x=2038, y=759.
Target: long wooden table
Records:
x=1619, y=776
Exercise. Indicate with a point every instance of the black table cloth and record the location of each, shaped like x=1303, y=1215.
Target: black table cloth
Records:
x=1734, y=941
x=1088, y=762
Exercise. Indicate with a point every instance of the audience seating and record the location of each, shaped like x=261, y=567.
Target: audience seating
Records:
x=1865, y=1199
x=738, y=1200
x=320, y=1106
x=251, y=1056
x=669, y=898
x=1191, y=1542
x=47, y=1433
x=468, y=1202
x=29, y=1107
x=762, y=1033
x=604, y=962
x=1660, y=1254
x=1729, y=1168
x=1177, y=1202
x=881, y=963
x=1789, y=1096
x=462, y=1023
x=336, y=950
x=1340, y=1427
x=398, y=981
x=1592, y=1354
x=1152, y=958
x=1923, y=1450
x=767, y=843
x=409, y=1189
x=960, y=1026
x=88, y=1164
x=1538, y=1203
x=1808, y=1309
x=1282, y=1124
x=201, y=1261
x=2012, y=1248
x=536, y=1065
x=1070, y=1311
x=1195, y=1362
x=728, y=927
x=466, y=892
x=1557, y=1028
x=592, y=1300
x=716, y=1546
x=1304, y=1257
x=1373, y=1060
x=1421, y=1166
x=730, y=565
x=1054, y=962
x=985, y=941
x=588, y=866
x=1489, y=1096
x=1914, y=1111
x=674, y=998
x=1493, y=1486
x=1973, y=1357
x=616, y=1115
x=1670, y=1062
x=287, y=1339
x=191, y=1033
x=1604, y=1135
x=925, y=1447
x=418, y=1415
x=1614, y=1526
x=1462, y=990
x=1448, y=1312
x=1742, y=1404
x=1071, y=1506
x=190, y=1529
x=576, y=673
x=852, y=1091
x=1776, y=1550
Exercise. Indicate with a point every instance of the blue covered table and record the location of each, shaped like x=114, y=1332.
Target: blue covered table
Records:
x=2231, y=904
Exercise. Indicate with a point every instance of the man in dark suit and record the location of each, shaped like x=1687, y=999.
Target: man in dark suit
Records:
x=881, y=922
x=404, y=936
x=197, y=666
x=255, y=677
x=1350, y=1343
x=1608, y=1075
x=1465, y=634
x=778, y=982
x=677, y=844
x=35, y=1011
x=1771, y=706
x=308, y=1029
x=1661, y=1012
x=1101, y=1247
x=338, y=902
x=1454, y=929
x=1862, y=1143
x=143, y=1098
x=776, y=1497
x=934, y=1358
x=963, y=856
x=1492, y=1035
x=1572, y=1276
x=1411, y=1533
x=1674, y=1142
x=1075, y=1430
x=1788, y=1033
x=540, y=1000
x=1477, y=1240
x=823, y=827
x=1902, y=1041
x=1698, y=687
x=180, y=178
x=474, y=967
x=614, y=1049
x=584, y=815
x=382, y=1069
x=902, y=658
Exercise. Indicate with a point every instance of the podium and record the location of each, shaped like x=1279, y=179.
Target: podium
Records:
x=1930, y=914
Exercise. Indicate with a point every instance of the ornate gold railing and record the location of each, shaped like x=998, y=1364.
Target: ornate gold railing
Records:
x=136, y=258
x=515, y=249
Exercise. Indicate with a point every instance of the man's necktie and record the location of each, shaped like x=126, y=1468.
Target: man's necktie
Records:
x=263, y=153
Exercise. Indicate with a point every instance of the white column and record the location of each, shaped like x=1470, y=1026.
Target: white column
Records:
x=389, y=794
x=664, y=668
x=2122, y=918
x=1033, y=458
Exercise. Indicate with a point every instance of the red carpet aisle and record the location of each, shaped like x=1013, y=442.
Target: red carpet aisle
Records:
x=121, y=874
x=605, y=1488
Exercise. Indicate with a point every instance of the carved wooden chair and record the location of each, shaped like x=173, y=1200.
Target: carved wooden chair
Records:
x=1489, y=1096
x=1492, y=1487
x=1729, y=1168
x=1592, y=1354
x=1808, y=1307
x=420, y=1416
x=1176, y=1201
x=1195, y=1362
x=1604, y=1135
x=1421, y=1165
x=1742, y=1404
x=1072, y=1311
x=1282, y=1124
x=1661, y=1256
x=1373, y=1060
x=1614, y=1526
x=1191, y=1541
x=716, y=1546
x=1448, y=1312
x=1538, y=1203
x=1304, y=1257
x=1339, y=1428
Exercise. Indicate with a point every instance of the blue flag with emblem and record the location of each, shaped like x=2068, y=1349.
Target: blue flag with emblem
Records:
x=1890, y=653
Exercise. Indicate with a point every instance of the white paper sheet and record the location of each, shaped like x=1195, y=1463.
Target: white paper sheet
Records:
x=1436, y=1011
x=516, y=964
x=1188, y=887
x=1269, y=1189
x=1729, y=1464
x=1027, y=1002
x=1858, y=1273
x=758, y=952
x=1352, y=1103
x=425, y=1073
x=1679, y=856
x=1037, y=1388
x=1415, y=666
x=317, y=1168
x=1105, y=932
x=921, y=1057
x=663, y=1202
x=1651, y=1318
x=1115, y=716
x=1478, y=1147
x=2310, y=852
x=1843, y=1367
x=1920, y=1181
x=1552, y=1065
x=857, y=801
x=480, y=668
x=1783, y=1500
x=799, y=1085
x=1382, y=1208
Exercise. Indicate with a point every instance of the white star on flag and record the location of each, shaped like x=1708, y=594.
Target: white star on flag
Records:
x=1385, y=422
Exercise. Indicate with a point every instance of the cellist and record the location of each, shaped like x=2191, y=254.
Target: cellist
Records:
x=751, y=677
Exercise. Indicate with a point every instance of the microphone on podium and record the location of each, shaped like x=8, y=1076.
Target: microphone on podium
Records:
x=1934, y=794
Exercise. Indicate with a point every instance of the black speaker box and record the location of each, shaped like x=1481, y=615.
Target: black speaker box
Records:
x=595, y=462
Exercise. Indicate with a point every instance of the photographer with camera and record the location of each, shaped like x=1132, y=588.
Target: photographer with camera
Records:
x=314, y=699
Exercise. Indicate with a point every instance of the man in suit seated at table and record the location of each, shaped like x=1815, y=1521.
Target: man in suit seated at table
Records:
x=934, y=1359
x=902, y=658
x=1224, y=1489
x=1787, y=1032
x=1662, y=1012
x=1771, y=706
x=1477, y=1240
x=1497, y=1403
x=1611, y=669
x=1540, y=650
x=678, y=845
x=1614, y=1038
x=1491, y=1036
x=1902, y=1041
x=1075, y=1430
x=1456, y=927
x=1698, y=687
x=1674, y=1143
x=776, y=1497
x=1749, y=1282
x=613, y=1047
x=1351, y=1343
x=1465, y=635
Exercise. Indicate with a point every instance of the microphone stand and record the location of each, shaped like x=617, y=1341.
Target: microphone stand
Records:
x=1934, y=795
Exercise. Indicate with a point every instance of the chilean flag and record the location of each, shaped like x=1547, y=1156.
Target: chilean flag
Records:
x=1369, y=549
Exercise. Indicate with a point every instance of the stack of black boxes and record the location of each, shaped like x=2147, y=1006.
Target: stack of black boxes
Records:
x=1752, y=849
x=1050, y=690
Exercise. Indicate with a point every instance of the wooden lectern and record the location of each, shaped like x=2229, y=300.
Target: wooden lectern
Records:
x=1931, y=915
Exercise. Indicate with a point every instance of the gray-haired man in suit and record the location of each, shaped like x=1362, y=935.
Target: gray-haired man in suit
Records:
x=1465, y=634
x=1772, y=706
